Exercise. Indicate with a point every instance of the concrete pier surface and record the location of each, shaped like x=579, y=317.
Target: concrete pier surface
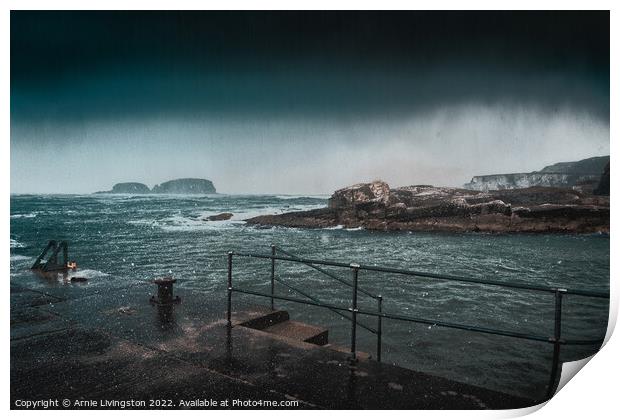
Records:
x=95, y=346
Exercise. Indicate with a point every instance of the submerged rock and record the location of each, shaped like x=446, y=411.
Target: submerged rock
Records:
x=375, y=206
x=219, y=217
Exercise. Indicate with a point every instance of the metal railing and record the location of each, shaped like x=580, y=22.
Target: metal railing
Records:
x=51, y=262
x=354, y=310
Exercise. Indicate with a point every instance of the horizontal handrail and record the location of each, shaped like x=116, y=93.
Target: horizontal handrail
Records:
x=492, y=331
x=328, y=274
x=279, y=280
x=556, y=339
x=301, y=260
x=578, y=292
x=291, y=299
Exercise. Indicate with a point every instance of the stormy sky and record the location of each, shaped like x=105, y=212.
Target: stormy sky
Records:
x=302, y=102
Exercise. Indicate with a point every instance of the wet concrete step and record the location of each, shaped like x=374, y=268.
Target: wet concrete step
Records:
x=361, y=355
x=259, y=318
x=300, y=331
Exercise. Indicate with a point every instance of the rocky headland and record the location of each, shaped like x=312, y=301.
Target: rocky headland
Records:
x=376, y=206
x=583, y=175
x=176, y=186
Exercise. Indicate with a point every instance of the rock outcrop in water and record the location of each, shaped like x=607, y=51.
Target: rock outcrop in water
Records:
x=375, y=206
x=176, y=186
x=127, y=188
x=583, y=175
x=130, y=188
x=218, y=217
x=185, y=186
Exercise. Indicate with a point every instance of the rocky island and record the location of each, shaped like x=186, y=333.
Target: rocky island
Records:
x=176, y=186
x=185, y=186
x=129, y=188
x=376, y=206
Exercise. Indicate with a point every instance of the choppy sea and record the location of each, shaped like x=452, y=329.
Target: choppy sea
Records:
x=123, y=239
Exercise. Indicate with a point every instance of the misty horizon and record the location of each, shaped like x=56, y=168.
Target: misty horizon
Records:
x=302, y=103
x=103, y=186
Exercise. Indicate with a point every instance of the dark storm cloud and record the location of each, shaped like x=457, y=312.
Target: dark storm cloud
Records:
x=302, y=102
x=109, y=65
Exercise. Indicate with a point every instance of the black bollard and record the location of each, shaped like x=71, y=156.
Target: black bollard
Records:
x=164, y=292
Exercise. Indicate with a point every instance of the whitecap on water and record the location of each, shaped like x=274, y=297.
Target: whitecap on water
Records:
x=268, y=210
x=88, y=273
x=15, y=244
x=337, y=227
x=23, y=216
x=341, y=227
x=293, y=197
x=182, y=223
x=197, y=222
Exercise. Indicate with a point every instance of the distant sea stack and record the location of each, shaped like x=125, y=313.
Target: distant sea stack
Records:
x=185, y=186
x=583, y=175
x=176, y=186
x=130, y=188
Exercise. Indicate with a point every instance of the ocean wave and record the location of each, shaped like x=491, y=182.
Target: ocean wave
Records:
x=341, y=227
x=146, y=222
x=175, y=223
x=19, y=257
x=263, y=211
x=508, y=268
x=182, y=223
x=199, y=221
x=88, y=273
x=15, y=244
x=23, y=216
x=295, y=197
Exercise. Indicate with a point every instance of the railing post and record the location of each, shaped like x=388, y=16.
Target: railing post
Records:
x=65, y=253
x=355, y=268
x=379, y=326
x=228, y=315
x=557, y=333
x=273, y=274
